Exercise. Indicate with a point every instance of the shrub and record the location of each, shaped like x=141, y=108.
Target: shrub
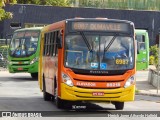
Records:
x=154, y=53
x=151, y=60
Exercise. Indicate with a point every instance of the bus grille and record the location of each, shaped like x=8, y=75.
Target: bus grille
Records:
x=20, y=62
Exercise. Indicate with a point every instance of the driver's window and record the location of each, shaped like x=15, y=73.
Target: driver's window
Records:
x=140, y=42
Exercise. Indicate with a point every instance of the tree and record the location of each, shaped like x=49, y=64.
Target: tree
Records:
x=45, y=2
x=154, y=53
x=3, y=13
x=57, y=2
x=29, y=1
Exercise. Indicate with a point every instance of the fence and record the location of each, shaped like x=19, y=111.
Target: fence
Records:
x=154, y=78
x=120, y=4
x=4, y=53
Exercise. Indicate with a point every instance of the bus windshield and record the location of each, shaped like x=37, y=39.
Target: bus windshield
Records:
x=24, y=43
x=104, y=52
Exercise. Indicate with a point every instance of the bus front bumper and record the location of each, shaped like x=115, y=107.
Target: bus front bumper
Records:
x=33, y=68
x=83, y=94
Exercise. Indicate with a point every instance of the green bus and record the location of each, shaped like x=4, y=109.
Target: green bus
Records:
x=23, y=51
x=142, y=49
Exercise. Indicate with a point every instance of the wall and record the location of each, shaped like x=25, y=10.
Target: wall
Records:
x=153, y=78
x=49, y=14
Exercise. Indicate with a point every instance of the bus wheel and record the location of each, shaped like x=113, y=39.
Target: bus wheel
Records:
x=119, y=105
x=59, y=103
x=34, y=75
x=46, y=96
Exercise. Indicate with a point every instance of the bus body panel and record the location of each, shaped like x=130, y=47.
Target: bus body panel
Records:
x=86, y=85
x=81, y=94
x=40, y=70
x=23, y=68
x=51, y=73
x=143, y=56
x=22, y=64
x=51, y=65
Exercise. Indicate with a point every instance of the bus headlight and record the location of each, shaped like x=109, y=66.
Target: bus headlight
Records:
x=130, y=81
x=34, y=60
x=67, y=80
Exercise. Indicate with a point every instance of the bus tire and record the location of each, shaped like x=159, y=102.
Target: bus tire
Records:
x=59, y=102
x=119, y=105
x=34, y=75
x=46, y=96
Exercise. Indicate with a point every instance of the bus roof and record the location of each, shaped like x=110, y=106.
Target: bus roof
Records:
x=31, y=28
x=100, y=19
x=140, y=30
x=46, y=28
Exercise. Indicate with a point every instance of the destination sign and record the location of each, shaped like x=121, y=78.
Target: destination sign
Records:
x=100, y=26
x=27, y=34
x=32, y=33
x=20, y=34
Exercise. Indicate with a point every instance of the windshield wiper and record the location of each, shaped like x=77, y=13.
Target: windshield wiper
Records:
x=86, y=41
x=110, y=43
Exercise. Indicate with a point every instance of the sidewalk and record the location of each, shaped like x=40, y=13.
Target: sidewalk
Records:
x=142, y=84
x=3, y=69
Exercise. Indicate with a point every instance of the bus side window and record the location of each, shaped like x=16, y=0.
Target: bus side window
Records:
x=57, y=42
x=47, y=42
x=45, y=47
x=142, y=46
x=142, y=43
x=52, y=43
x=143, y=38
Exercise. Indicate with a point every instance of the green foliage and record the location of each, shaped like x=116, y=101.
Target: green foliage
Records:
x=90, y=3
x=151, y=60
x=57, y=2
x=45, y=2
x=154, y=53
x=38, y=2
x=121, y=4
x=3, y=13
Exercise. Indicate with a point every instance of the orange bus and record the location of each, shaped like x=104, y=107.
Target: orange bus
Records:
x=88, y=59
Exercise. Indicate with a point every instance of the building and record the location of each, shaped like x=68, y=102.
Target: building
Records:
x=33, y=15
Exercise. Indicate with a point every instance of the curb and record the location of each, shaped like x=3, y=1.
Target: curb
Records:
x=148, y=94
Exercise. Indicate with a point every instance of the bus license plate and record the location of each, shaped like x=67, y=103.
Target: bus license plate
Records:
x=98, y=94
x=20, y=68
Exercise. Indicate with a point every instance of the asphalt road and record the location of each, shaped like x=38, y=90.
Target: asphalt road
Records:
x=19, y=92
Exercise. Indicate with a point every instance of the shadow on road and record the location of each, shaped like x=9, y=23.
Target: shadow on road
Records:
x=85, y=106
x=23, y=78
x=79, y=109
x=48, y=108
x=17, y=79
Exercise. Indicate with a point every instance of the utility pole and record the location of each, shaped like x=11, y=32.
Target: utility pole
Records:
x=22, y=11
x=158, y=69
